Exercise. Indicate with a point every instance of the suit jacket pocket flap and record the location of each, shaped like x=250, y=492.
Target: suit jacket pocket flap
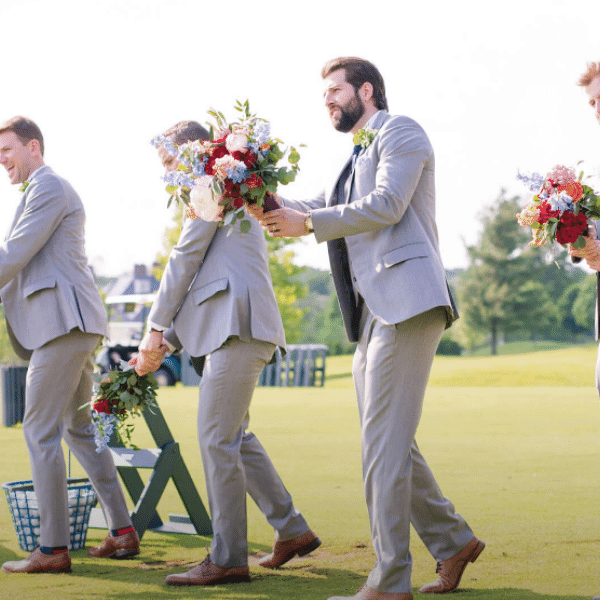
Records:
x=418, y=250
x=41, y=284
x=210, y=289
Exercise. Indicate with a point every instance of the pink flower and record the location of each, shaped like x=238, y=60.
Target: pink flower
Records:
x=561, y=175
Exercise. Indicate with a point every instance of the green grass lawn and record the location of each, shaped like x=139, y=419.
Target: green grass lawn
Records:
x=514, y=443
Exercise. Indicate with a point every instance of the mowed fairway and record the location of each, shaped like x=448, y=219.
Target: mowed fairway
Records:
x=514, y=442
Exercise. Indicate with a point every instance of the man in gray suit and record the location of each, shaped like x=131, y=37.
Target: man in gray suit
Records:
x=216, y=300
x=55, y=319
x=379, y=223
x=590, y=82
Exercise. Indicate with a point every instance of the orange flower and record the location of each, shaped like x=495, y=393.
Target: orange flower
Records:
x=575, y=190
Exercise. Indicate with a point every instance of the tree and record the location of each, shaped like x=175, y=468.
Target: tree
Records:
x=501, y=290
x=288, y=289
x=170, y=237
x=584, y=304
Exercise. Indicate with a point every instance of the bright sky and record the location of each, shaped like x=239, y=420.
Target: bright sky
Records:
x=493, y=84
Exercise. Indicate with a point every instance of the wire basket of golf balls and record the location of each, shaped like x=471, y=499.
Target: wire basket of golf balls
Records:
x=24, y=509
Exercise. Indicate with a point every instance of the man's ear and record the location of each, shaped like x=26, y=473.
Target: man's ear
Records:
x=366, y=91
x=34, y=147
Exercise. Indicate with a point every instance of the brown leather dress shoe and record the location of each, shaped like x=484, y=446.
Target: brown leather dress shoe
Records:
x=367, y=593
x=121, y=546
x=207, y=573
x=285, y=551
x=450, y=571
x=38, y=562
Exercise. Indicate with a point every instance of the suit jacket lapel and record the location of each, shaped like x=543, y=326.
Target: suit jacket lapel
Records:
x=334, y=197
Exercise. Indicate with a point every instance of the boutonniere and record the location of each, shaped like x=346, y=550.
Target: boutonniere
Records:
x=24, y=186
x=364, y=137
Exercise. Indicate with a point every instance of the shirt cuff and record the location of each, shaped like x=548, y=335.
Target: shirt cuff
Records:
x=152, y=325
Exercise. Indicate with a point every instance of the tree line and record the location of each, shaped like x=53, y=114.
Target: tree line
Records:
x=509, y=291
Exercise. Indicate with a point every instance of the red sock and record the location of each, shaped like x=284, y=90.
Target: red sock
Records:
x=118, y=532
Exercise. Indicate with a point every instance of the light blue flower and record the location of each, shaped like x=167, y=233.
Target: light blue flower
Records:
x=534, y=181
x=158, y=140
x=560, y=202
x=262, y=132
x=237, y=173
x=170, y=147
x=178, y=178
x=104, y=426
x=198, y=167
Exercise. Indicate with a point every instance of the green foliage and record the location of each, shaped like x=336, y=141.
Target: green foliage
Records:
x=323, y=322
x=288, y=289
x=7, y=354
x=448, y=346
x=584, y=304
x=123, y=394
x=170, y=238
x=510, y=287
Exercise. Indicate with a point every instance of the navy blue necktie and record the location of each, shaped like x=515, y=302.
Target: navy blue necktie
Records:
x=355, y=154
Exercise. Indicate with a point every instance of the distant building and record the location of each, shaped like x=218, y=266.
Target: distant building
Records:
x=128, y=302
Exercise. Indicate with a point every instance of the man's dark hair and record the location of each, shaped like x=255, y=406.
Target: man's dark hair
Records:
x=359, y=71
x=25, y=130
x=186, y=131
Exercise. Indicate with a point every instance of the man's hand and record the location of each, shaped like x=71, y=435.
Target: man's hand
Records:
x=591, y=251
x=152, y=351
x=283, y=222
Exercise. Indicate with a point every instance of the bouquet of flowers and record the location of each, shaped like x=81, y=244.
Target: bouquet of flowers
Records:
x=560, y=209
x=237, y=164
x=121, y=394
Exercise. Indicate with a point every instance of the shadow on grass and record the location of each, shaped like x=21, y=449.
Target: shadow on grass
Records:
x=145, y=580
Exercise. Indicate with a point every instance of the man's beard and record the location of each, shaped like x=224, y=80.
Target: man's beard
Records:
x=349, y=114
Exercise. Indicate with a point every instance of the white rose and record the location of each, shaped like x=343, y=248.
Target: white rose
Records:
x=203, y=202
x=236, y=142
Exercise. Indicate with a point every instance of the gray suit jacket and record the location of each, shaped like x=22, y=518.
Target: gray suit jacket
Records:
x=383, y=242
x=216, y=285
x=46, y=285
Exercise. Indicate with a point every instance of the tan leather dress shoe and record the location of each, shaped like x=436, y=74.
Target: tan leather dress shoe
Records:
x=207, y=573
x=38, y=562
x=450, y=571
x=367, y=593
x=285, y=551
x=119, y=547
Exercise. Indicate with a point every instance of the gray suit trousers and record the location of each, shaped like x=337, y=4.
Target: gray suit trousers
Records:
x=234, y=460
x=59, y=381
x=391, y=368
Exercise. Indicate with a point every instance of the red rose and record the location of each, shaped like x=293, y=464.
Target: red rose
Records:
x=218, y=152
x=547, y=213
x=248, y=158
x=238, y=202
x=102, y=406
x=566, y=235
x=254, y=181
